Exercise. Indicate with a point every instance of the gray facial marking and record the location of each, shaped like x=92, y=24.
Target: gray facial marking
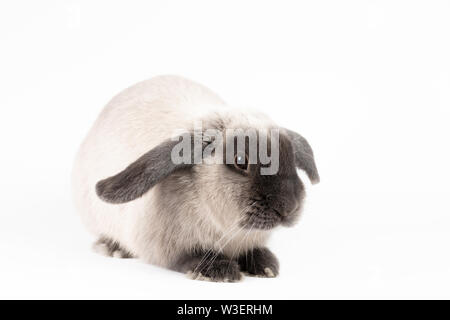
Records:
x=271, y=200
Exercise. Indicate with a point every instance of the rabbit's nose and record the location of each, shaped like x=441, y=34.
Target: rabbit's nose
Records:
x=291, y=208
x=283, y=211
x=296, y=209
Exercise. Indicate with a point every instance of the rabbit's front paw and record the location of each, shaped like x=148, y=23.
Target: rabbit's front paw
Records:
x=259, y=262
x=218, y=270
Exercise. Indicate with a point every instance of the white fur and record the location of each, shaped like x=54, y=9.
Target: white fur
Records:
x=132, y=123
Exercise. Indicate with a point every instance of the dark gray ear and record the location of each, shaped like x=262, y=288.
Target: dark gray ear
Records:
x=304, y=156
x=144, y=173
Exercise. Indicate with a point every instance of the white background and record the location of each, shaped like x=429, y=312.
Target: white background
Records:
x=367, y=82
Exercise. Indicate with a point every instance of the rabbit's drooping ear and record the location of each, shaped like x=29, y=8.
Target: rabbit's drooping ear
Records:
x=144, y=173
x=304, y=156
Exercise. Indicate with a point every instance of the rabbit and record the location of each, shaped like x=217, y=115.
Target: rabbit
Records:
x=210, y=221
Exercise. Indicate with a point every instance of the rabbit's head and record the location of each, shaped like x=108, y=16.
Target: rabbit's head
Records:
x=243, y=173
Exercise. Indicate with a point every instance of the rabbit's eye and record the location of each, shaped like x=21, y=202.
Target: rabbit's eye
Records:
x=241, y=162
